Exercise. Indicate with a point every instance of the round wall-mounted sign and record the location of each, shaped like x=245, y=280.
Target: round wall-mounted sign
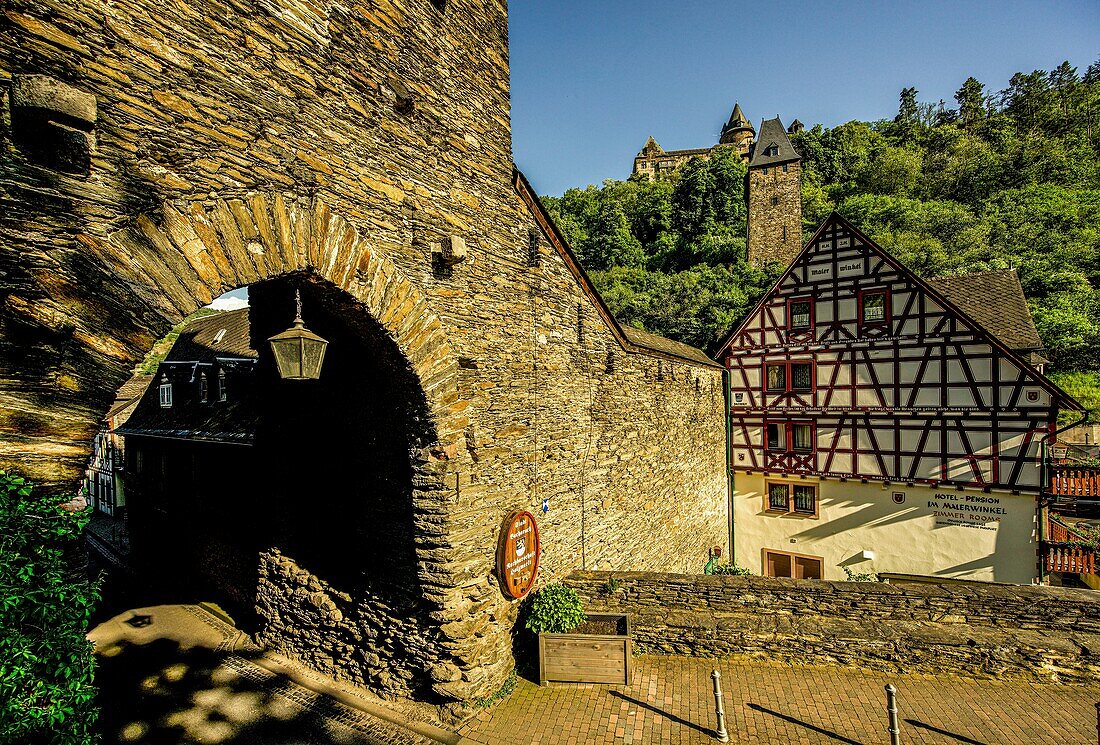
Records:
x=518, y=554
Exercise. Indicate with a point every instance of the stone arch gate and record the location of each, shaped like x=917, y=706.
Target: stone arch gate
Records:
x=150, y=160
x=184, y=254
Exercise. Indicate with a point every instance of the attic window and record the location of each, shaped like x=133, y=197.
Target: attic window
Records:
x=165, y=392
x=204, y=388
x=772, y=150
x=219, y=336
x=221, y=385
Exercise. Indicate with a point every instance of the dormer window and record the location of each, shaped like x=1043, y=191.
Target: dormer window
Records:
x=772, y=150
x=221, y=386
x=204, y=388
x=165, y=392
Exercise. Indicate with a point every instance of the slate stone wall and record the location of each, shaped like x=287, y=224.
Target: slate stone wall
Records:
x=1040, y=633
x=231, y=143
x=775, y=214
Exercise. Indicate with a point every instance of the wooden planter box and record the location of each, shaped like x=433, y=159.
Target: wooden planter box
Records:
x=588, y=658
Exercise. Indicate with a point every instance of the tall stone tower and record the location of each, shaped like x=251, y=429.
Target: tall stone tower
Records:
x=738, y=132
x=774, y=197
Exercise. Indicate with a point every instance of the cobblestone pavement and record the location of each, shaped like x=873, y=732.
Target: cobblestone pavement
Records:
x=670, y=700
x=175, y=674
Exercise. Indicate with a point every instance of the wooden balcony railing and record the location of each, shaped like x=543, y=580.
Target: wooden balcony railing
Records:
x=1070, y=558
x=1075, y=490
x=1075, y=482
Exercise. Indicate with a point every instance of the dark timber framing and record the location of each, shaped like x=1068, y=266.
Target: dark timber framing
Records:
x=925, y=396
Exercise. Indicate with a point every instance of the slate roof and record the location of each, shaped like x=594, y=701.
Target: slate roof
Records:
x=668, y=346
x=772, y=133
x=128, y=394
x=204, y=339
x=205, y=346
x=996, y=301
x=738, y=120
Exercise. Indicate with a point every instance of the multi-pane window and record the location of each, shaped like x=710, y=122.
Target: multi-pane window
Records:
x=802, y=376
x=787, y=497
x=777, y=377
x=778, y=497
x=777, y=436
x=801, y=437
x=204, y=390
x=783, y=377
x=222, y=391
x=791, y=436
x=800, y=314
x=165, y=393
x=873, y=306
x=804, y=499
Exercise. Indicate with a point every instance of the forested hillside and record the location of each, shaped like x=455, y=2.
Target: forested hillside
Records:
x=1000, y=179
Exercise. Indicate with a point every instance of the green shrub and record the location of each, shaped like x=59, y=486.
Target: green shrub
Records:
x=732, y=569
x=46, y=662
x=555, y=609
x=861, y=576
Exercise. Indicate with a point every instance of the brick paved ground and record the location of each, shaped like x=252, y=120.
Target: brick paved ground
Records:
x=670, y=701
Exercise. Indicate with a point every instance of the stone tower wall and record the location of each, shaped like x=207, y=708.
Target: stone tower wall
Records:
x=774, y=214
x=174, y=153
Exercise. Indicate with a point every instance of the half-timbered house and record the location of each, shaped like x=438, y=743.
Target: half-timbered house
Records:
x=877, y=426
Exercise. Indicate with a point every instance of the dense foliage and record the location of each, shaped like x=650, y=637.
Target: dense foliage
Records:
x=46, y=693
x=1009, y=180
x=555, y=609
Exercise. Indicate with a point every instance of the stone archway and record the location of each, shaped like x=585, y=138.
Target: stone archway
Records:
x=174, y=259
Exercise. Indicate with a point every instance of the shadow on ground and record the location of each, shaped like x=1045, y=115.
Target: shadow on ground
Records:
x=162, y=693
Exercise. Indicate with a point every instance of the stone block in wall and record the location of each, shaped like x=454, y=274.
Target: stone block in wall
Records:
x=53, y=123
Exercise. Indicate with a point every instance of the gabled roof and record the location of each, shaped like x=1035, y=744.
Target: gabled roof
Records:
x=650, y=148
x=996, y=301
x=1064, y=399
x=224, y=334
x=772, y=133
x=634, y=341
x=129, y=394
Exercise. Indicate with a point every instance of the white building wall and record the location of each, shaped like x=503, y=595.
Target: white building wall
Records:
x=909, y=529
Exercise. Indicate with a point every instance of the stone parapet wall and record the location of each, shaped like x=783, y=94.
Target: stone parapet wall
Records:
x=1040, y=633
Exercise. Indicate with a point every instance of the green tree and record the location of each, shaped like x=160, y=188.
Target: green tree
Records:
x=46, y=663
x=972, y=103
x=907, y=121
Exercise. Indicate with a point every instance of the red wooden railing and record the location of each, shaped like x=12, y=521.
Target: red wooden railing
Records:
x=1075, y=482
x=1070, y=558
x=1058, y=533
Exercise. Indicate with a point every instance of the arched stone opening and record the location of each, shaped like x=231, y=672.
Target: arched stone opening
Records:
x=141, y=279
x=291, y=503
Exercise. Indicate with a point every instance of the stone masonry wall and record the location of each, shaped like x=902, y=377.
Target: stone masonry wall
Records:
x=1041, y=633
x=211, y=145
x=775, y=214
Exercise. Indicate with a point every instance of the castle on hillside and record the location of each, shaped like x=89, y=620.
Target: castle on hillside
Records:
x=773, y=192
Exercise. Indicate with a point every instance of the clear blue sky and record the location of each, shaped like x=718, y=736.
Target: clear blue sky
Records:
x=591, y=79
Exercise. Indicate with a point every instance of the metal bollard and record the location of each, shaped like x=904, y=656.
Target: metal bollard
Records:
x=892, y=713
x=720, y=731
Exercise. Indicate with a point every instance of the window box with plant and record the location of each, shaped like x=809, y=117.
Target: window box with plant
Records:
x=578, y=648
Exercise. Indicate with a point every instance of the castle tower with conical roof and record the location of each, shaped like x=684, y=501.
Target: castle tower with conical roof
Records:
x=738, y=132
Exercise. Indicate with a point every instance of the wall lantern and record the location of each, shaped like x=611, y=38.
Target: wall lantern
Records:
x=298, y=351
